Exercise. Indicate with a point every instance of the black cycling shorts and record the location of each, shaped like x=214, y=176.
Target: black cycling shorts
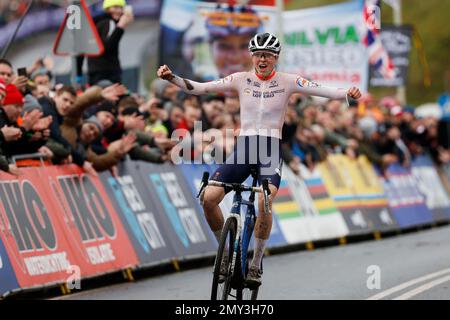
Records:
x=259, y=152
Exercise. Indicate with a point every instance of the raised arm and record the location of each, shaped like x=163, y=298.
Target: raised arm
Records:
x=198, y=88
x=304, y=86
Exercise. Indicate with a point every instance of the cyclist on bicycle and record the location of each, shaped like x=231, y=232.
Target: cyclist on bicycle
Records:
x=263, y=94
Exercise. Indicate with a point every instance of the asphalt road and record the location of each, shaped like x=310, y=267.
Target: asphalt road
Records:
x=411, y=266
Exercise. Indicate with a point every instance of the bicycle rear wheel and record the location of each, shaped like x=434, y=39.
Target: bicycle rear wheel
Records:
x=221, y=289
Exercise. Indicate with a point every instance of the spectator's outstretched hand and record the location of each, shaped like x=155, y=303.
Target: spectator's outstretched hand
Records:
x=128, y=143
x=38, y=63
x=354, y=93
x=42, y=124
x=114, y=171
x=165, y=143
x=14, y=170
x=165, y=73
x=67, y=160
x=125, y=20
x=11, y=133
x=20, y=82
x=113, y=93
x=134, y=122
x=46, y=151
x=89, y=169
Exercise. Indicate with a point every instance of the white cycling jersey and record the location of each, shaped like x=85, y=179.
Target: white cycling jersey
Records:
x=263, y=102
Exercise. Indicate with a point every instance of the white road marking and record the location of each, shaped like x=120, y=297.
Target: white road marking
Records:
x=407, y=284
x=422, y=288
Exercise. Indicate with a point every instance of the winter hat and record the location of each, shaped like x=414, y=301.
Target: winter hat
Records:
x=41, y=72
x=129, y=111
x=159, y=86
x=396, y=111
x=113, y=3
x=368, y=125
x=108, y=107
x=94, y=120
x=13, y=96
x=30, y=104
x=409, y=109
x=159, y=128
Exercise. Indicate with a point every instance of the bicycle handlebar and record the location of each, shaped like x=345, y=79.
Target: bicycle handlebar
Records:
x=264, y=189
x=235, y=187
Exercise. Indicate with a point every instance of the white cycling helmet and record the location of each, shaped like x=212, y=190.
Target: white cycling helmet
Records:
x=265, y=41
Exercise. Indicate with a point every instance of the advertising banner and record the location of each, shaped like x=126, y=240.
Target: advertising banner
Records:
x=88, y=220
x=369, y=191
x=58, y=224
x=317, y=216
x=185, y=225
x=339, y=182
x=325, y=44
x=204, y=41
x=406, y=202
x=138, y=214
x=38, y=248
x=8, y=281
x=398, y=43
x=430, y=185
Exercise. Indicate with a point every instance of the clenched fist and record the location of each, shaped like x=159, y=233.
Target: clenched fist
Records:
x=354, y=93
x=165, y=73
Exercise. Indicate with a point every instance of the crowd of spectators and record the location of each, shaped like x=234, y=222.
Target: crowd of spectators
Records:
x=98, y=126
x=383, y=130
x=94, y=127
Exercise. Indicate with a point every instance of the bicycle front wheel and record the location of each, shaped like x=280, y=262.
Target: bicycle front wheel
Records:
x=244, y=292
x=221, y=285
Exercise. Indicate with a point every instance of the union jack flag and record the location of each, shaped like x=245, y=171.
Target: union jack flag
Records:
x=378, y=56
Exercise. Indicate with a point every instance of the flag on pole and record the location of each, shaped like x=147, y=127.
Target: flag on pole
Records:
x=378, y=55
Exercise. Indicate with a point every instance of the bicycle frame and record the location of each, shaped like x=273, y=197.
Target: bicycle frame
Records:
x=244, y=232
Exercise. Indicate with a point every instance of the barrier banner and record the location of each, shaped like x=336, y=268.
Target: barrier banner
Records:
x=194, y=173
x=32, y=234
x=429, y=184
x=138, y=214
x=446, y=169
x=307, y=211
x=185, y=225
x=341, y=186
x=286, y=209
x=8, y=281
x=406, y=201
x=370, y=193
x=444, y=175
x=88, y=220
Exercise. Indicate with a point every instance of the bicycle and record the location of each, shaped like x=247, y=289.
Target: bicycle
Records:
x=238, y=239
